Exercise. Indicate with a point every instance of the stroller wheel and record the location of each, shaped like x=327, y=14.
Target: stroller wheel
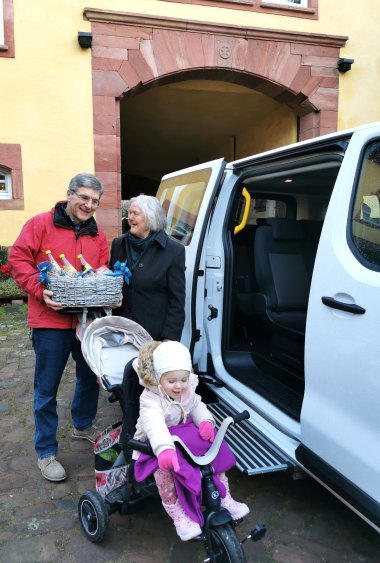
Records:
x=93, y=515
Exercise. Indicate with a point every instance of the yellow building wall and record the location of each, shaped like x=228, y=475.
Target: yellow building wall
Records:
x=46, y=94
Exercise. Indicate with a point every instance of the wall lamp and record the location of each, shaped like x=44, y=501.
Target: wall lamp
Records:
x=344, y=64
x=85, y=39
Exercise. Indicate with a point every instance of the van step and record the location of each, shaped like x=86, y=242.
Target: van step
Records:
x=254, y=454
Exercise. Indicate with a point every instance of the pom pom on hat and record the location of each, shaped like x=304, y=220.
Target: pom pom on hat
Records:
x=170, y=356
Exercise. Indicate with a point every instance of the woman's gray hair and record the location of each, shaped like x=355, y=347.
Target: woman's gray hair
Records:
x=151, y=208
x=85, y=181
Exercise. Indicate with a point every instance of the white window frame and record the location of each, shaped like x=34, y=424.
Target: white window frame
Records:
x=290, y=3
x=7, y=193
x=1, y=23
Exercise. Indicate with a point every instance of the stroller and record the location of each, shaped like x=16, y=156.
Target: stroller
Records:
x=109, y=346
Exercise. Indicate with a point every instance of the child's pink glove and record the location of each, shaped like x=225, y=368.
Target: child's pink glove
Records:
x=206, y=430
x=168, y=461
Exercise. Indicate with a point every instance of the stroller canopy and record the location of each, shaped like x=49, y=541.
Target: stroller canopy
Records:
x=108, y=344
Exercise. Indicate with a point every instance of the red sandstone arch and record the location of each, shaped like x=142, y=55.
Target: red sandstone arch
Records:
x=131, y=53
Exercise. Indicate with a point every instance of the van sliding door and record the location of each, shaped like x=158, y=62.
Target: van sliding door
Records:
x=187, y=198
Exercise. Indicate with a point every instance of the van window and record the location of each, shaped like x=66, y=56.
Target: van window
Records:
x=365, y=219
x=268, y=208
x=262, y=208
x=181, y=198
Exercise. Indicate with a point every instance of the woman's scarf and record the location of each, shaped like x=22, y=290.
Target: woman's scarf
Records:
x=138, y=245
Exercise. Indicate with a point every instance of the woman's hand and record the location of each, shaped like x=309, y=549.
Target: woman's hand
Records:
x=168, y=461
x=206, y=430
x=46, y=296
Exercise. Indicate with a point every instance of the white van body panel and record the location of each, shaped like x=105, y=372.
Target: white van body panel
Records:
x=342, y=364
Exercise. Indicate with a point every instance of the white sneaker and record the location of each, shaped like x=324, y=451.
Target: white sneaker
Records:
x=51, y=469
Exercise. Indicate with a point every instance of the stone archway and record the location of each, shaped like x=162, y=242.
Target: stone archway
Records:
x=132, y=52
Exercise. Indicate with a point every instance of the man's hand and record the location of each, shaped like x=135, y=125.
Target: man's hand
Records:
x=46, y=296
x=118, y=304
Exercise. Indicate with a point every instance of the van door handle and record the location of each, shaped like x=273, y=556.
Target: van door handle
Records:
x=349, y=307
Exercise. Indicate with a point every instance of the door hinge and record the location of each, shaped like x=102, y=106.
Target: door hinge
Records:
x=197, y=335
x=213, y=314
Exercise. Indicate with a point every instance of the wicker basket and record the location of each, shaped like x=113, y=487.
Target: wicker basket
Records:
x=89, y=291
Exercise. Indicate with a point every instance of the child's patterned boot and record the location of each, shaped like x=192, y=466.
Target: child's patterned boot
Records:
x=237, y=509
x=186, y=528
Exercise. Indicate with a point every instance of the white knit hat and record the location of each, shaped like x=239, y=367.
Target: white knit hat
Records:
x=170, y=356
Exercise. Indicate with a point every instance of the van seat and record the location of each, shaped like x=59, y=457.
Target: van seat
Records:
x=281, y=270
x=272, y=281
x=244, y=276
x=281, y=256
x=313, y=230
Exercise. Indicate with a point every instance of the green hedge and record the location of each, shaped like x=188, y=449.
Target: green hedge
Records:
x=10, y=290
x=8, y=287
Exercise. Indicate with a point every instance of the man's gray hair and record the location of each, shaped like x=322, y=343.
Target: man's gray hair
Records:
x=85, y=181
x=151, y=208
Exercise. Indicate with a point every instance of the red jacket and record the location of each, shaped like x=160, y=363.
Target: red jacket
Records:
x=53, y=231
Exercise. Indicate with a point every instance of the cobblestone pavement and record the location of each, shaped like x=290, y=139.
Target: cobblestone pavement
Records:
x=38, y=519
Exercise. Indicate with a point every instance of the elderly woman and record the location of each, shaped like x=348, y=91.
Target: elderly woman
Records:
x=155, y=295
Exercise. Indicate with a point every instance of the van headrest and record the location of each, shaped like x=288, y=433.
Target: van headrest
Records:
x=286, y=229
x=260, y=221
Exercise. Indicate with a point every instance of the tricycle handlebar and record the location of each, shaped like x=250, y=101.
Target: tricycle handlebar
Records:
x=241, y=416
x=210, y=455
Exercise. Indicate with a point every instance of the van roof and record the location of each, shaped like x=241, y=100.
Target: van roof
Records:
x=321, y=142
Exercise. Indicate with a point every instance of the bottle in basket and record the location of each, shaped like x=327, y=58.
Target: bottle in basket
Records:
x=55, y=267
x=86, y=268
x=67, y=267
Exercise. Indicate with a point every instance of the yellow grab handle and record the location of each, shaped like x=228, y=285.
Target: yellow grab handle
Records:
x=243, y=223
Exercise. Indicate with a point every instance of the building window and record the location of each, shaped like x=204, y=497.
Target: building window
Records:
x=300, y=3
x=11, y=184
x=5, y=184
x=7, y=40
x=306, y=9
x=1, y=23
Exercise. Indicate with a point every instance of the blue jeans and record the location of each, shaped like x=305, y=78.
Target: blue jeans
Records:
x=52, y=347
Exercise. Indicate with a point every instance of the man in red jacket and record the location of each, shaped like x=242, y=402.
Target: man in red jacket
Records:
x=69, y=228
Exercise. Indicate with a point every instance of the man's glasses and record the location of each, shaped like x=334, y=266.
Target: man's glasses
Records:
x=87, y=199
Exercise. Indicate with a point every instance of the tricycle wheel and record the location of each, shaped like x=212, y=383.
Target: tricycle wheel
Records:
x=225, y=545
x=93, y=515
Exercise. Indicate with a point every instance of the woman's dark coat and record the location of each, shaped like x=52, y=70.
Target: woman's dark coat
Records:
x=155, y=296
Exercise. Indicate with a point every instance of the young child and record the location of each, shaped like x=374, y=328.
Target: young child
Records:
x=169, y=404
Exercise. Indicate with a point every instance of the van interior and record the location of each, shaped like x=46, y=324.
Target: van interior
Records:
x=269, y=265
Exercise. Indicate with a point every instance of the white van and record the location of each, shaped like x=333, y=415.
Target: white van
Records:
x=283, y=305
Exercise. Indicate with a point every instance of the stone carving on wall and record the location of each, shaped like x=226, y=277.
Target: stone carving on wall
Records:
x=225, y=46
